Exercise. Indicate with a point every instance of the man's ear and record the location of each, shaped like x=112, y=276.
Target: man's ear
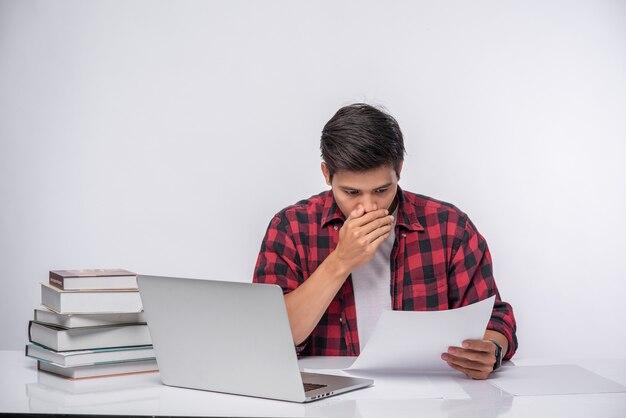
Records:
x=326, y=173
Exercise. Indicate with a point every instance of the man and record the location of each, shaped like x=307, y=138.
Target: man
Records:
x=345, y=255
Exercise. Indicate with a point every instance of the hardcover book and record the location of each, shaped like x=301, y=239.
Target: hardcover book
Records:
x=47, y=316
x=93, y=279
x=110, y=369
x=90, y=301
x=61, y=339
x=89, y=357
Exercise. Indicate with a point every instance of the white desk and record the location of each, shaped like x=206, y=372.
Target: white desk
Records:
x=24, y=389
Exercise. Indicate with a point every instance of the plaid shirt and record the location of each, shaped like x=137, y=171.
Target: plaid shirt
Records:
x=439, y=261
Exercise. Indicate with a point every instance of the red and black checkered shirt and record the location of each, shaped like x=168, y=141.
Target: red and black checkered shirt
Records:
x=439, y=261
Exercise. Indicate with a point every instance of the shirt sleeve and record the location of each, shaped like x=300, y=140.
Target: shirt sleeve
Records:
x=278, y=261
x=471, y=280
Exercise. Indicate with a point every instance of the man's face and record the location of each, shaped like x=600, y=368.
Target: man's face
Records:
x=373, y=189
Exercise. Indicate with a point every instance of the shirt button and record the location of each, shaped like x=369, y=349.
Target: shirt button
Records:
x=336, y=227
x=403, y=235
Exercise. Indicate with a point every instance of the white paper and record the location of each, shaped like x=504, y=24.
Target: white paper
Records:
x=408, y=341
x=403, y=386
x=563, y=379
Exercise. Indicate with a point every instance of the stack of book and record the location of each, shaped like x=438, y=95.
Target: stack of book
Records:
x=90, y=324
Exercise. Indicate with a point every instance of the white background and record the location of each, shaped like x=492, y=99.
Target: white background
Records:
x=162, y=136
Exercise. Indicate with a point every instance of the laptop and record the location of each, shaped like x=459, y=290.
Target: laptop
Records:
x=230, y=337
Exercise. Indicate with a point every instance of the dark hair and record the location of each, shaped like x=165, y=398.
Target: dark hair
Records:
x=360, y=137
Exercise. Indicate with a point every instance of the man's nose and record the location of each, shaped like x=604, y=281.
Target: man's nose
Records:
x=369, y=205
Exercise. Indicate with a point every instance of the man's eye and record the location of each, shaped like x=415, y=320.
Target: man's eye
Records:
x=352, y=192
x=381, y=191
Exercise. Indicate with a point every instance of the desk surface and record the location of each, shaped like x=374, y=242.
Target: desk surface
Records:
x=24, y=389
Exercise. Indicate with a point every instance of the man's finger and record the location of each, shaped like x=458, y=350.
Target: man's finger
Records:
x=480, y=356
x=459, y=368
x=468, y=364
x=374, y=244
x=473, y=374
x=369, y=217
x=480, y=345
x=356, y=213
x=375, y=224
x=376, y=233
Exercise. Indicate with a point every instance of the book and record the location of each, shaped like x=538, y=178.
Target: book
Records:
x=93, y=279
x=46, y=316
x=89, y=357
x=90, y=301
x=87, y=338
x=98, y=370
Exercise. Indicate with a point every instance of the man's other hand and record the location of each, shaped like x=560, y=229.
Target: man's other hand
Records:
x=475, y=359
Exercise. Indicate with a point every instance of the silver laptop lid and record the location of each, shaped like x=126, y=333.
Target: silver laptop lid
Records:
x=222, y=336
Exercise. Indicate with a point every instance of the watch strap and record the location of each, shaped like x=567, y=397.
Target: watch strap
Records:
x=498, y=362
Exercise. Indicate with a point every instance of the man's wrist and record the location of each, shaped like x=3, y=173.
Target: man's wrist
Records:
x=338, y=266
x=499, y=355
x=500, y=338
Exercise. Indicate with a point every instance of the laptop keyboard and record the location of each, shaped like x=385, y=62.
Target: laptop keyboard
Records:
x=312, y=386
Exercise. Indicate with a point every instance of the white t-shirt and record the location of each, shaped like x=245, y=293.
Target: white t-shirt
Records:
x=371, y=283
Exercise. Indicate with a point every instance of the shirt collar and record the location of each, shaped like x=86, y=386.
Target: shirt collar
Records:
x=406, y=216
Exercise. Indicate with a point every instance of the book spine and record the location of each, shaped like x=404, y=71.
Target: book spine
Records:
x=56, y=280
x=30, y=324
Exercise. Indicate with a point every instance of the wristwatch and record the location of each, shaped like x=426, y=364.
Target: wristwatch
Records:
x=498, y=362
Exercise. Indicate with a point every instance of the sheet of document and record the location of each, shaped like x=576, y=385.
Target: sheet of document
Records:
x=562, y=379
x=406, y=341
x=388, y=386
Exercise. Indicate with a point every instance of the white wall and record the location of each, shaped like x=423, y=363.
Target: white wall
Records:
x=162, y=136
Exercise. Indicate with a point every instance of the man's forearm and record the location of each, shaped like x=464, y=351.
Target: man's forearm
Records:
x=308, y=302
